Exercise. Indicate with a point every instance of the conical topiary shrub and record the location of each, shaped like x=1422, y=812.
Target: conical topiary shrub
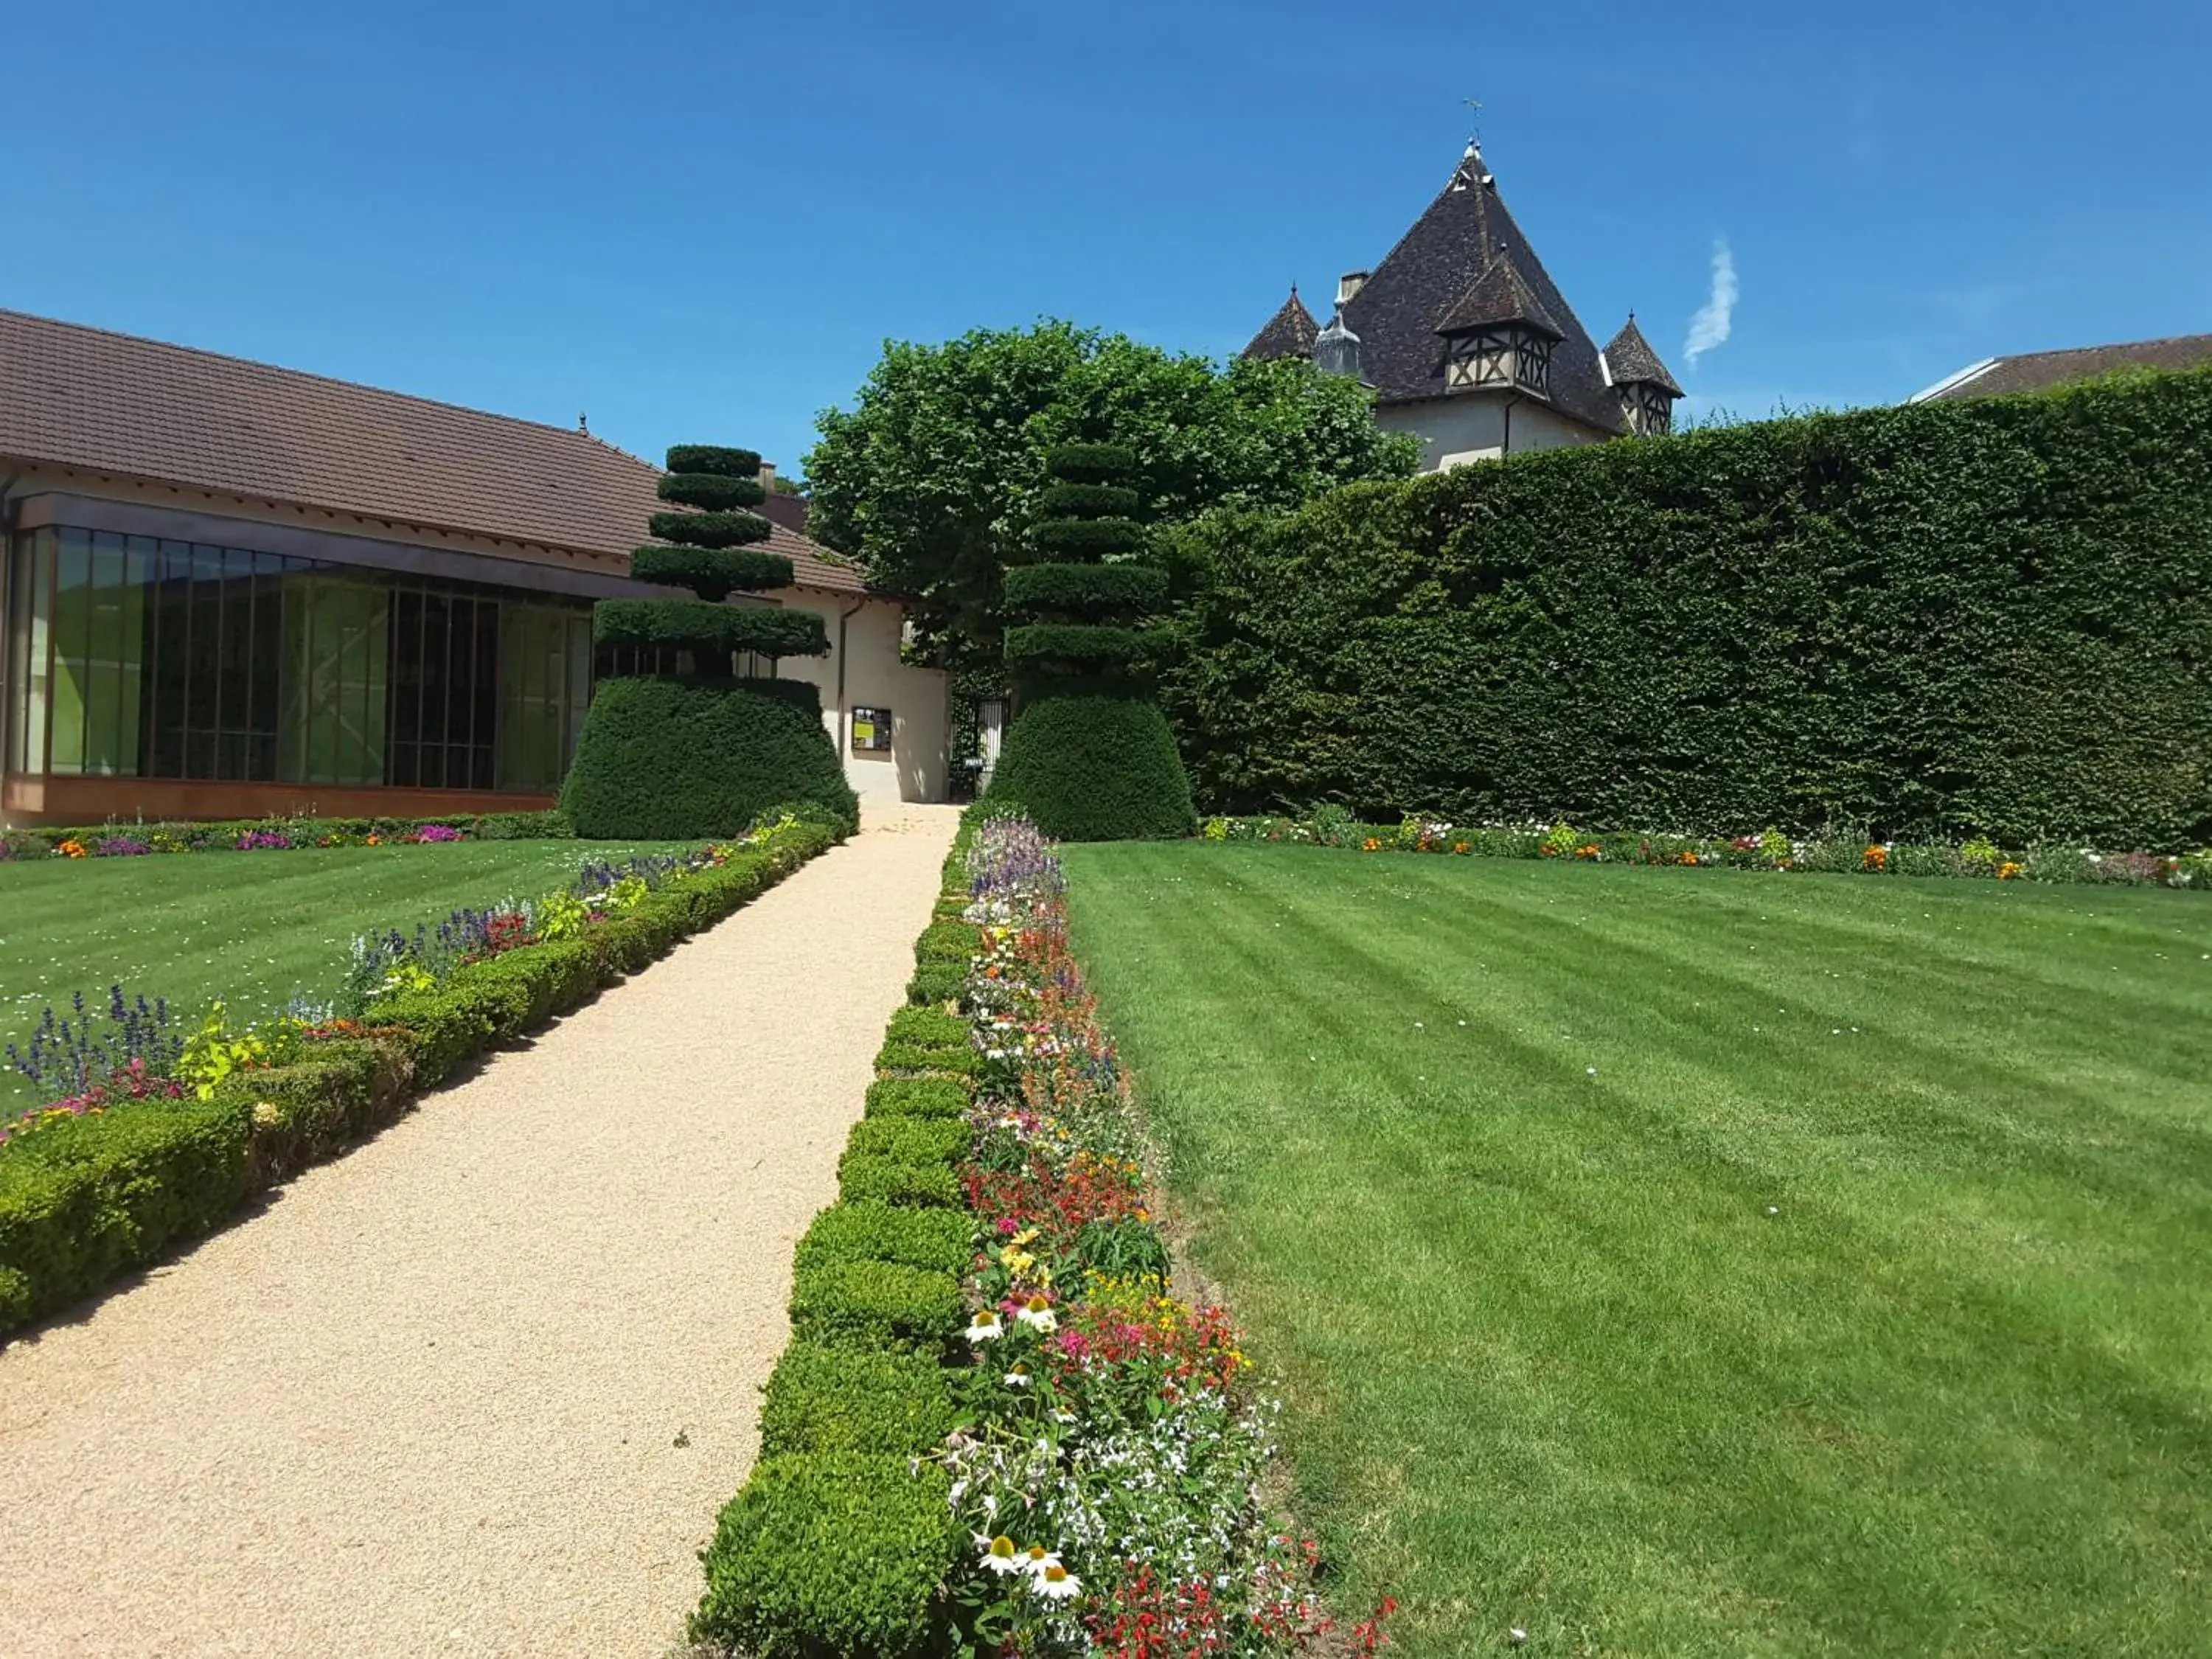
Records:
x=1089, y=755
x=696, y=751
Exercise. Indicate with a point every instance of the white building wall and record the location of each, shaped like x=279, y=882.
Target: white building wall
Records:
x=1475, y=426
x=916, y=767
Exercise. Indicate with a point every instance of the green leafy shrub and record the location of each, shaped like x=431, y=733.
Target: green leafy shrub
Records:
x=712, y=573
x=896, y=1181
x=953, y=942
x=908, y=1139
x=935, y=1240
x=918, y=1097
x=723, y=460
x=876, y=1306
x=1088, y=538
x=1081, y=587
x=833, y=1399
x=1031, y=646
x=1986, y=615
x=724, y=530
x=86, y=1198
x=709, y=629
x=674, y=759
x=711, y=492
x=1067, y=500
x=936, y=983
x=830, y=1554
x=1097, y=768
x=928, y=1028
x=907, y=1057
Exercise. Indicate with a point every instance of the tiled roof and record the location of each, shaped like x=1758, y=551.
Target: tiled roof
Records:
x=2039, y=371
x=1629, y=358
x=1499, y=296
x=1416, y=289
x=1291, y=332
x=98, y=402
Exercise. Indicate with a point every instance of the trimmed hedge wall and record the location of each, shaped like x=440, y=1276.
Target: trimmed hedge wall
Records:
x=1991, y=615
x=87, y=1198
x=671, y=759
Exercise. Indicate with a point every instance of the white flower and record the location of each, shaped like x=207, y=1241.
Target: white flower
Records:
x=1055, y=1582
x=986, y=1326
x=1019, y=1377
x=1000, y=1554
x=1036, y=1313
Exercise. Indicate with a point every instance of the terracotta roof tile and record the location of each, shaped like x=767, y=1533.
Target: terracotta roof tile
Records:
x=2039, y=371
x=96, y=401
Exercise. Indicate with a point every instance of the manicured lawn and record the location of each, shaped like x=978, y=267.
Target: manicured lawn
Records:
x=251, y=927
x=1858, y=1300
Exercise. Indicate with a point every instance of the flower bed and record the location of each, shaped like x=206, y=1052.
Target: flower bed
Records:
x=156, y=1136
x=996, y=1430
x=278, y=834
x=1770, y=849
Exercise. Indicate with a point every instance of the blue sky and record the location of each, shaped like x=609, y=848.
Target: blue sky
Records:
x=700, y=222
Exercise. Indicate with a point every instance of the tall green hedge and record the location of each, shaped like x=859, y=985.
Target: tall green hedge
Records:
x=1987, y=616
x=676, y=759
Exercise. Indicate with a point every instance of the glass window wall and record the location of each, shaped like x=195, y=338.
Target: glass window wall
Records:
x=133, y=657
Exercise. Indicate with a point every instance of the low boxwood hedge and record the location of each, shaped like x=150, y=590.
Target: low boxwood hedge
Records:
x=830, y=1553
x=955, y=942
x=869, y=1229
x=876, y=1306
x=909, y=1139
x=897, y=1181
x=906, y=1057
x=85, y=1199
x=918, y=1097
x=833, y=1400
x=936, y=983
x=928, y=1028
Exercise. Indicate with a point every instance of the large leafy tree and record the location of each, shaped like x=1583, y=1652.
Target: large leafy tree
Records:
x=933, y=480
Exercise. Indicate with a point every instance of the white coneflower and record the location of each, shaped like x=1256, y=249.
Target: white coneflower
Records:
x=1055, y=1582
x=985, y=1326
x=1000, y=1554
x=1036, y=1313
x=1019, y=1377
x=1036, y=1557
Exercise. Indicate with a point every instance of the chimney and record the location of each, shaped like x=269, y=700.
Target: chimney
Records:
x=768, y=477
x=1348, y=286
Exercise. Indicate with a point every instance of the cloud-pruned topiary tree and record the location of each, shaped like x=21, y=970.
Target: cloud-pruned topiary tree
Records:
x=694, y=750
x=1089, y=754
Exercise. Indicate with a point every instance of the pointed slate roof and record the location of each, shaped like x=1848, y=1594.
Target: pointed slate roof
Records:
x=1291, y=332
x=1418, y=286
x=1500, y=295
x=1629, y=358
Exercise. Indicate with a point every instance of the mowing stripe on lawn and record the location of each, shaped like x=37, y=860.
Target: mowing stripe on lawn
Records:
x=1550, y=1360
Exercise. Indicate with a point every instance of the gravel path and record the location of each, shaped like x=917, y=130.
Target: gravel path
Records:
x=479, y=1387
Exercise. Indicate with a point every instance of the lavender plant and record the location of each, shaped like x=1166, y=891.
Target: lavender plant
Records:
x=74, y=1053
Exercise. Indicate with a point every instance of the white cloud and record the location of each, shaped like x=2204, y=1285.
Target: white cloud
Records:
x=1710, y=328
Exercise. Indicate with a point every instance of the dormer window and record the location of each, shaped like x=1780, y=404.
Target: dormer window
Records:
x=1498, y=336
x=1509, y=357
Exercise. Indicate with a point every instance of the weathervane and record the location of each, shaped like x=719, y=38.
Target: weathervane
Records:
x=1474, y=134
